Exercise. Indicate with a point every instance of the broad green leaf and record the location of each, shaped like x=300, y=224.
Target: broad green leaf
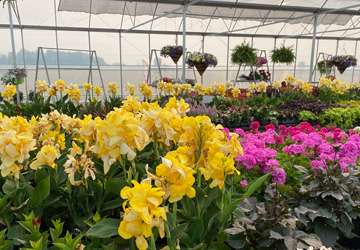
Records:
x=195, y=230
x=175, y=233
x=106, y=228
x=218, y=246
x=41, y=191
x=115, y=185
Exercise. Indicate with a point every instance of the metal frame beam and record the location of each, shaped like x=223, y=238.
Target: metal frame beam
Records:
x=161, y=32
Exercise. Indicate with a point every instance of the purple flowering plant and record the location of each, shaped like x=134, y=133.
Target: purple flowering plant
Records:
x=196, y=57
x=171, y=50
x=343, y=61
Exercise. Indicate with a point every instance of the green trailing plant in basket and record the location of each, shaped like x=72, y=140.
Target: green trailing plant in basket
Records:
x=283, y=55
x=244, y=53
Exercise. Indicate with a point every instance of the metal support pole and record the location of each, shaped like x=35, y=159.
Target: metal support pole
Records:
x=202, y=51
x=313, y=47
x=57, y=41
x=296, y=50
x=337, y=47
x=121, y=72
x=317, y=52
x=101, y=79
x=176, y=67
x=13, y=50
x=150, y=58
x=90, y=52
x=46, y=69
x=184, y=43
x=352, y=78
x=157, y=62
x=23, y=47
x=273, y=66
x=37, y=68
x=227, y=59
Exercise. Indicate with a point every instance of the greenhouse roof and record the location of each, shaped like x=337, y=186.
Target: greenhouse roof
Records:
x=292, y=18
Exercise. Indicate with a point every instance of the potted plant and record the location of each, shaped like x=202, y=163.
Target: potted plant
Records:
x=14, y=76
x=283, y=55
x=244, y=53
x=321, y=67
x=343, y=62
x=174, y=51
x=201, y=61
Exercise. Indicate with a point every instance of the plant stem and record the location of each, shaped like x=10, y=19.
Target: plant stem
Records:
x=174, y=215
x=152, y=242
x=168, y=235
x=156, y=149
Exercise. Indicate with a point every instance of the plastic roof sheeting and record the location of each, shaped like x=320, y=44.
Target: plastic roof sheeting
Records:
x=208, y=9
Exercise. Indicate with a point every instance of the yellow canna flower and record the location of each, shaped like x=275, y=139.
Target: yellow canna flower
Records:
x=147, y=92
x=290, y=80
x=60, y=85
x=262, y=87
x=169, y=88
x=87, y=86
x=113, y=88
x=74, y=93
x=41, y=86
x=252, y=87
x=131, y=104
x=178, y=177
x=46, y=156
x=180, y=107
x=119, y=134
x=307, y=88
x=97, y=90
x=14, y=149
x=131, y=88
x=198, y=88
x=9, y=92
x=276, y=85
x=235, y=92
x=143, y=213
x=159, y=123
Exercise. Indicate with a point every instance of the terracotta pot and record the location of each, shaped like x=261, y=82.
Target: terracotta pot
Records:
x=200, y=67
x=176, y=58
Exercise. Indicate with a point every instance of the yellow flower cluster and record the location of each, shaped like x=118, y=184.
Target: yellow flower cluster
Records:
x=252, y=87
x=147, y=92
x=307, y=88
x=16, y=141
x=261, y=87
x=276, y=85
x=97, y=90
x=289, y=80
x=41, y=86
x=142, y=213
x=113, y=88
x=236, y=92
x=9, y=92
x=87, y=86
x=74, y=93
x=119, y=135
x=336, y=85
x=130, y=88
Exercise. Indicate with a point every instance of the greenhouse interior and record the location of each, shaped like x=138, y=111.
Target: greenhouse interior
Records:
x=179, y=124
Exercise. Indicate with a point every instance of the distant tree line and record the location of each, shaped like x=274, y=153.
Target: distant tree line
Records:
x=65, y=58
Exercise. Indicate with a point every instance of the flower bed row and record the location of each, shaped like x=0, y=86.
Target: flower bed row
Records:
x=146, y=177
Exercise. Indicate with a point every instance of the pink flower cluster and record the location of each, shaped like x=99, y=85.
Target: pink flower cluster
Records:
x=324, y=148
x=258, y=151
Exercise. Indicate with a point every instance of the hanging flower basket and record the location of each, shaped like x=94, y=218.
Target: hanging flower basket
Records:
x=341, y=68
x=19, y=81
x=173, y=51
x=343, y=62
x=200, y=67
x=14, y=76
x=201, y=61
x=176, y=57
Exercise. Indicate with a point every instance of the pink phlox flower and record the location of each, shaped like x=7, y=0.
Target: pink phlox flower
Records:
x=244, y=183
